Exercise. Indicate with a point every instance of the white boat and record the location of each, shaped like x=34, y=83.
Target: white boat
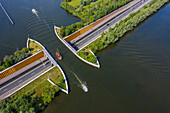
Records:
x=35, y=12
x=84, y=88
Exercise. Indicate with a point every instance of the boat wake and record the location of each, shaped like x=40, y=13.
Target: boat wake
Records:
x=83, y=85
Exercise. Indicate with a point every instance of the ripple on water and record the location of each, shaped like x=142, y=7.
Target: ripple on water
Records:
x=145, y=56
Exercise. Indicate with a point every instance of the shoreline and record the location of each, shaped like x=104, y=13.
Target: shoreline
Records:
x=117, y=38
x=40, y=83
x=95, y=42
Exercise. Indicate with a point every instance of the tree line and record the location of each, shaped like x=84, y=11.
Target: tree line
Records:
x=125, y=25
x=89, y=11
x=18, y=56
x=28, y=103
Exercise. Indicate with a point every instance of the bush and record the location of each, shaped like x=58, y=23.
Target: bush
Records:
x=13, y=59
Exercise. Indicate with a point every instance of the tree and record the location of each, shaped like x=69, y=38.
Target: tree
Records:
x=7, y=63
x=67, y=31
x=110, y=29
x=11, y=61
x=102, y=34
x=82, y=2
x=0, y=63
x=24, y=50
x=17, y=53
x=6, y=58
x=62, y=31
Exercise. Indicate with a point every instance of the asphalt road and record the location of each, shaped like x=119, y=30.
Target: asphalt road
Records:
x=81, y=43
x=22, y=80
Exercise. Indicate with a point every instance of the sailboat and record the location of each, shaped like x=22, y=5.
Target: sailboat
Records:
x=58, y=55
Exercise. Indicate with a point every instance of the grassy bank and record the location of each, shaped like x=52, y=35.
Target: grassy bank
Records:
x=125, y=25
x=87, y=55
x=34, y=47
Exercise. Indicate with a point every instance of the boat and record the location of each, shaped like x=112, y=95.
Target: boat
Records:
x=58, y=55
x=83, y=85
x=84, y=88
x=35, y=12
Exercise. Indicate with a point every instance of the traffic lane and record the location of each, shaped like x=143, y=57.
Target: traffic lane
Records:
x=9, y=87
x=92, y=36
x=108, y=21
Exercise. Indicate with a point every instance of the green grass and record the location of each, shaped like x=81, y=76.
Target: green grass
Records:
x=35, y=46
x=74, y=3
x=87, y=55
x=41, y=83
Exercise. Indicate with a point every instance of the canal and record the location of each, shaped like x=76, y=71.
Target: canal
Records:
x=135, y=72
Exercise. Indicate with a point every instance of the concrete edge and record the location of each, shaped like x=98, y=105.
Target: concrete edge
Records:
x=54, y=84
x=72, y=49
x=34, y=41
x=66, y=91
x=96, y=58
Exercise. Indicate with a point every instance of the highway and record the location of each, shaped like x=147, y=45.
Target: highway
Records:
x=16, y=84
x=95, y=33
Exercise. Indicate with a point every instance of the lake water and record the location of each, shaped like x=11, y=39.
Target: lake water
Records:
x=135, y=72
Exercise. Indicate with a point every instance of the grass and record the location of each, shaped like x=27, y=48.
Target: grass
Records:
x=74, y=3
x=41, y=83
x=35, y=47
x=87, y=55
x=58, y=32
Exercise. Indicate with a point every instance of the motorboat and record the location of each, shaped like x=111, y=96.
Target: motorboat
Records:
x=84, y=88
x=35, y=12
x=58, y=55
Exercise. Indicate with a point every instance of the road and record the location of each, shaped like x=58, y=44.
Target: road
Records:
x=95, y=33
x=16, y=84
